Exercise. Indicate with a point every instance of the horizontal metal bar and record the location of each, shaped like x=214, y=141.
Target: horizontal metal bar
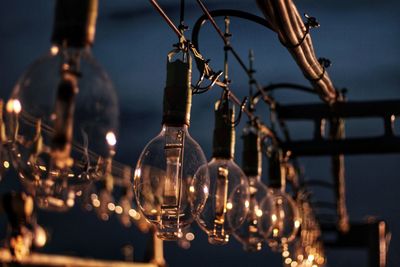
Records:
x=38, y=259
x=339, y=109
x=372, y=145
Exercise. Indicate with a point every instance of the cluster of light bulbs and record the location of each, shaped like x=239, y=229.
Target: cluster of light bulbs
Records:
x=59, y=131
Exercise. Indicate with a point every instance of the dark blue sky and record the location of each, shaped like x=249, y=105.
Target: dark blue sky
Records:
x=360, y=37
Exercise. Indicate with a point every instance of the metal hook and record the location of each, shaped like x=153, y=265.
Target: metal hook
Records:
x=242, y=107
x=197, y=89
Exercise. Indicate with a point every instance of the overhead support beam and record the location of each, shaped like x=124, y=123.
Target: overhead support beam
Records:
x=349, y=146
x=373, y=236
x=311, y=111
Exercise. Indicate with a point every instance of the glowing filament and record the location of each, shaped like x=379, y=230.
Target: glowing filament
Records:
x=221, y=195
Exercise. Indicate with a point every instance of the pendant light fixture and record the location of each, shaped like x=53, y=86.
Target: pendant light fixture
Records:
x=62, y=115
x=165, y=169
x=249, y=233
x=228, y=201
x=281, y=221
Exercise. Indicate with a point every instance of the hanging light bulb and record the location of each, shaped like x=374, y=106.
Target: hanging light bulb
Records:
x=228, y=201
x=249, y=233
x=282, y=221
x=167, y=164
x=63, y=112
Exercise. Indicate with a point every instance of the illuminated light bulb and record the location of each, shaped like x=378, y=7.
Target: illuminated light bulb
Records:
x=61, y=111
x=249, y=233
x=165, y=169
x=228, y=201
x=39, y=237
x=281, y=221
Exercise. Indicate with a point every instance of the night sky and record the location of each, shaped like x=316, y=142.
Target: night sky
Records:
x=360, y=37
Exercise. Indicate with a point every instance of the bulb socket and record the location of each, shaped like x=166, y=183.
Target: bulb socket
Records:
x=224, y=130
x=178, y=93
x=74, y=22
x=251, y=157
x=277, y=170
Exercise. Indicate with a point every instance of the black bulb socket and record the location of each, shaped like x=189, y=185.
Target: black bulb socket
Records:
x=224, y=130
x=74, y=23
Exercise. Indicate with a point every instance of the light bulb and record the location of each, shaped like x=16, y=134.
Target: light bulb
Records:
x=165, y=169
x=282, y=221
x=228, y=201
x=249, y=233
x=39, y=236
x=62, y=111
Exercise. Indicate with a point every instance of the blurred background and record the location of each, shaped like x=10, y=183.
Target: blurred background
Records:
x=360, y=37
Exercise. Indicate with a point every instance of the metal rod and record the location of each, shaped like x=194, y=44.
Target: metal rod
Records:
x=211, y=19
x=167, y=19
x=249, y=73
x=262, y=127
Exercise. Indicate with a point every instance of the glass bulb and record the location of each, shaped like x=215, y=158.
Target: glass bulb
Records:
x=163, y=178
x=249, y=233
x=228, y=202
x=281, y=221
x=59, y=118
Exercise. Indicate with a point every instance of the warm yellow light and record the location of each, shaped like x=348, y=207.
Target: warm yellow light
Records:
x=6, y=164
x=40, y=238
x=274, y=218
x=310, y=257
x=132, y=213
x=205, y=190
x=154, y=211
x=189, y=236
x=275, y=232
x=96, y=202
x=297, y=223
x=54, y=50
x=285, y=254
x=293, y=264
x=43, y=168
x=288, y=261
x=70, y=202
x=111, y=139
x=13, y=106
x=229, y=205
x=247, y=204
x=259, y=213
x=191, y=189
x=118, y=209
x=111, y=206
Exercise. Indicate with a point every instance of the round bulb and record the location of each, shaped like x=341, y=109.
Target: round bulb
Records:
x=228, y=203
x=249, y=233
x=163, y=178
x=66, y=92
x=281, y=221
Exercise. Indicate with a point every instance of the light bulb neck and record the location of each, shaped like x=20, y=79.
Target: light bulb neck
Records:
x=177, y=93
x=75, y=22
x=224, y=131
x=251, y=157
